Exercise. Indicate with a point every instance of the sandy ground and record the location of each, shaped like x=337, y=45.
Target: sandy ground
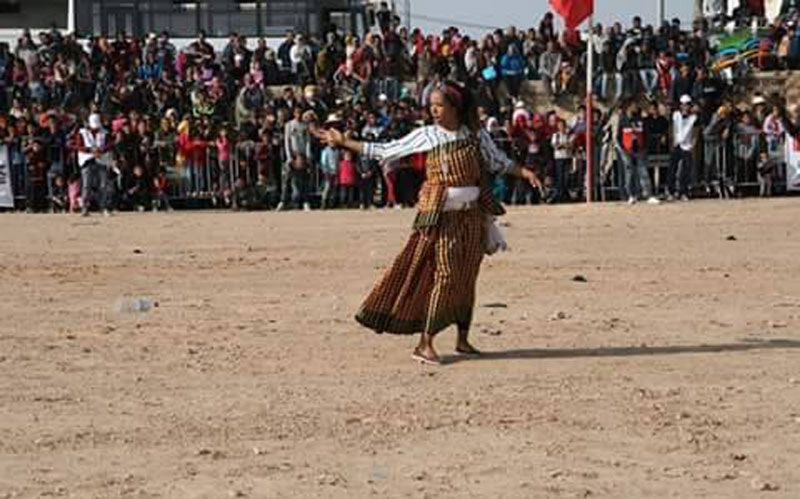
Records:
x=673, y=371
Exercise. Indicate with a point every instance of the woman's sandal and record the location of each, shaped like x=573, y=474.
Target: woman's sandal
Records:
x=471, y=352
x=425, y=360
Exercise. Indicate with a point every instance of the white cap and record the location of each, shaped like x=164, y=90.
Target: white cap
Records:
x=94, y=121
x=383, y=97
x=758, y=100
x=520, y=104
x=685, y=99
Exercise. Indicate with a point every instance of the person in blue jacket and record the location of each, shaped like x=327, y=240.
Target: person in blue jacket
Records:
x=512, y=69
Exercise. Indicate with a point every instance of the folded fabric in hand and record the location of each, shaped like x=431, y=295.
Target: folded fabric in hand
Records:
x=495, y=239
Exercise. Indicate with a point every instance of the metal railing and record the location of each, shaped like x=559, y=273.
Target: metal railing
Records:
x=723, y=166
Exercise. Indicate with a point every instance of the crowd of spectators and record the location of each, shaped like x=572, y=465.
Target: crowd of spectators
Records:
x=128, y=123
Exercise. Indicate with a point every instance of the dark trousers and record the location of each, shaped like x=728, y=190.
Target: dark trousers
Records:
x=679, y=173
x=367, y=189
x=300, y=187
x=348, y=195
x=513, y=83
x=36, y=197
x=94, y=176
x=559, y=180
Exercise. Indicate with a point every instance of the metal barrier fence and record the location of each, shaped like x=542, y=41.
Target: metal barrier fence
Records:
x=719, y=166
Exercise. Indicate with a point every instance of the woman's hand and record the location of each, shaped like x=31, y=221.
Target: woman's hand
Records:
x=531, y=177
x=331, y=137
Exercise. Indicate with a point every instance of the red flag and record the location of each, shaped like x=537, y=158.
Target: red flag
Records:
x=574, y=12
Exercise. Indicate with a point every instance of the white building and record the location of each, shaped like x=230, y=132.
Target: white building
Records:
x=185, y=18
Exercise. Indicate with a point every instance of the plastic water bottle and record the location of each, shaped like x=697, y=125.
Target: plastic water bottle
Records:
x=136, y=305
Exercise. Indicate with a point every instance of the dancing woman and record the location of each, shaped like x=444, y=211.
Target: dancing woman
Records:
x=431, y=284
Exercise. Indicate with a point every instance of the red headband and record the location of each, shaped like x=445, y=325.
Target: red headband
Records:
x=453, y=94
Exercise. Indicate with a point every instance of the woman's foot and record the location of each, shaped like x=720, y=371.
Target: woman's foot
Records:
x=426, y=355
x=464, y=348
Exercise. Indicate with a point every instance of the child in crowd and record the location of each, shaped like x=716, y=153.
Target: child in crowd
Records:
x=74, y=193
x=58, y=196
x=241, y=195
x=366, y=175
x=37, y=165
x=766, y=169
x=160, y=196
x=137, y=190
x=262, y=193
x=223, y=144
x=329, y=167
x=300, y=180
x=348, y=179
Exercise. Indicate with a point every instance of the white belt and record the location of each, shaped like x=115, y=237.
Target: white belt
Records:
x=461, y=198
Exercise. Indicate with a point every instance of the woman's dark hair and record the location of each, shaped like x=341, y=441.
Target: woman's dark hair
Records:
x=464, y=101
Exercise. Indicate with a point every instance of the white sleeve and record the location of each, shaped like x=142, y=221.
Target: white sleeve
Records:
x=419, y=140
x=496, y=160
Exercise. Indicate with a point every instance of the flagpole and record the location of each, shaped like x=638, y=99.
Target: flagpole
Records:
x=589, y=115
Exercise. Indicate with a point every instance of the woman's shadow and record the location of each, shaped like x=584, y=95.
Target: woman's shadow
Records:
x=568, y=353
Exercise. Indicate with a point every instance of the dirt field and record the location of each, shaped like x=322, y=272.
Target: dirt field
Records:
x=673, y=371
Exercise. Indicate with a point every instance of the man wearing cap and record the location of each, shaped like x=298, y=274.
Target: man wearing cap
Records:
x=93, y=159
x=683, y=139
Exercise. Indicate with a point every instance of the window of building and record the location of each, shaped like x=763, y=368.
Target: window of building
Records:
x=10, y=6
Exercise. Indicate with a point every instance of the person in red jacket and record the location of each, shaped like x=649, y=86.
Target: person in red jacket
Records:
x=348, y=179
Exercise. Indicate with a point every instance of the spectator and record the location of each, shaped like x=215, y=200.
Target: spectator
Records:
x=284, y=52
x=631, y=144
x=773, y=130
x=74, y=193
x=656, y=131
x=716, y=140
x=138, y=190
x=160, y=194
x=299, y=177
x=682, y=85
x=562, y=153
x=348, y=180
x=329, y=168
x=37, y=166
x=512, y=68
x=647, y=70
x=301, y=59
x=94, y=161
x=746, y=145
x=766, y=169
x=684, y=122
x=59, y=202
x=707, y=91
x=549, y=67
x=608, y=72
x=297, y=142
x=366, y=169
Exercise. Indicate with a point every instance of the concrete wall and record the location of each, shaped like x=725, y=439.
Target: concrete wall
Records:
x=37, y=14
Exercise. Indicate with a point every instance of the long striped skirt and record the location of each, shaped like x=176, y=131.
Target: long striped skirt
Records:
x=431, y=284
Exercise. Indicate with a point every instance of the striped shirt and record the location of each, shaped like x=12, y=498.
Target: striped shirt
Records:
x=429, y=137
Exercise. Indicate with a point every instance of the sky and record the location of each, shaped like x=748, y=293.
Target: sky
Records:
x=526, y=13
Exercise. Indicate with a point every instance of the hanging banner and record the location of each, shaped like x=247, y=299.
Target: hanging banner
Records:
x=713, y=8
x=792, y=163
x=6, y=192
x=772, y=9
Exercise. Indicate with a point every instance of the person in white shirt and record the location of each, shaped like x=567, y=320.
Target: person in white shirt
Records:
x=300, y=56
x=681, y=162
x=94, y=161
x=562, y=154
